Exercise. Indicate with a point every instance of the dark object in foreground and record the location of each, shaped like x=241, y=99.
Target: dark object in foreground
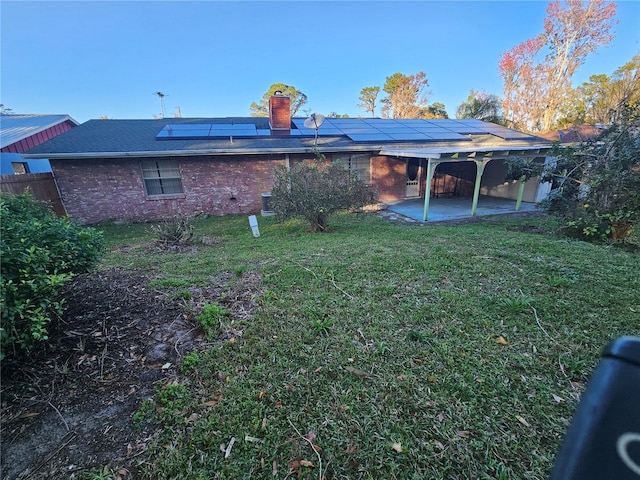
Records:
x=603, y=440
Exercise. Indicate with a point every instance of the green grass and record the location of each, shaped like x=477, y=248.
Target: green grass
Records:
x=377, y=334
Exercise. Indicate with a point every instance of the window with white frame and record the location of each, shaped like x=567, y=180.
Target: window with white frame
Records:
x=359, y=163
x=161, y=176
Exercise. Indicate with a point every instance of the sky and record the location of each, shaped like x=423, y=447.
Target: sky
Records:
x=89, y=59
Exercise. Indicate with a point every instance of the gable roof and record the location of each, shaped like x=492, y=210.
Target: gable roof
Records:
x=140, y=138
x=16, y=127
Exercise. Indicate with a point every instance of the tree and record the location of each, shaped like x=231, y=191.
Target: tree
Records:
x=435, y=110
x=537, y=73
x=405, y=95
x=298, y=100
x=602, y=98
x=337, y=115
x=596, y=185
x=482, y=106
x=369, y=97
x=317, y=190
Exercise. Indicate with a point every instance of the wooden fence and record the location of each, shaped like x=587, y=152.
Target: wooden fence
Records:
x=42, y=186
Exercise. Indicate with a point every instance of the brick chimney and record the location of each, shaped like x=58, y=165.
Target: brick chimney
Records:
x=280, y=114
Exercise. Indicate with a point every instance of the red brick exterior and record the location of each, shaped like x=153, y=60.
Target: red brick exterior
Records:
x=389, y=177
x=99, y=190
x=113, y=189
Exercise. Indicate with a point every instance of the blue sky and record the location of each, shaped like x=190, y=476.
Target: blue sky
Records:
x=213, y=58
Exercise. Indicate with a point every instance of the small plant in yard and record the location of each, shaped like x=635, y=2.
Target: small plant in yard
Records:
x=174, y=231
x=190, y=362
x=211, y=318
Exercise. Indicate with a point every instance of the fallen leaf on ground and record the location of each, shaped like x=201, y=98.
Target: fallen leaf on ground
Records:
x=397, y=447
x=557, y=398
x=523, y=421
x=311, y=436
x=351, y=449
x=359, y=373
x=501, y=340
x=463, y=433
x=306, y=463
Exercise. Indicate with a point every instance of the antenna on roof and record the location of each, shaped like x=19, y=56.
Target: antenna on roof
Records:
x=314, y=122
x=161, y=97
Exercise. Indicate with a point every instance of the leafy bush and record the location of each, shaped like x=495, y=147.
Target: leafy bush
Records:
x=596, y=185
x=39, y=253
x=317, y=190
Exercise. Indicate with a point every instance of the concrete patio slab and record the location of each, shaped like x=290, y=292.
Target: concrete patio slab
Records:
x=447, y=208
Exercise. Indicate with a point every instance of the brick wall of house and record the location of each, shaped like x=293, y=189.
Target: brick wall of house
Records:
x=113, y=189
x=389, y=177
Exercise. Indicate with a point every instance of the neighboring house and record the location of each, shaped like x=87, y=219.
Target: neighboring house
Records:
x=151, y=169
x=573, y=135
x=19, y=133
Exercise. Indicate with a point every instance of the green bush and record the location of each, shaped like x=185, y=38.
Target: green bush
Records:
x=39, y=253
x=597, y=184
x=316, y=190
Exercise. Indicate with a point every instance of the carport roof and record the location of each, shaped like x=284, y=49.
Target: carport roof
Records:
x=465, y=153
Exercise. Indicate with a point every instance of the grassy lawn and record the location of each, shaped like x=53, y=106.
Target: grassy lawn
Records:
x=382, y=351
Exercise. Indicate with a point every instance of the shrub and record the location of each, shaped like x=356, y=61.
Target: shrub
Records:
x=596, y=185
x=39, y=253
x=175, y=231
x=317, y=190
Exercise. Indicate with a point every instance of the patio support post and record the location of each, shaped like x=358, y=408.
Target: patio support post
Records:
x=431, y=168
x=520, y=193
x=480, y=164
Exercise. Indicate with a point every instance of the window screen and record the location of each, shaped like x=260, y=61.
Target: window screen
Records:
x=360, y=165
x=161, y=177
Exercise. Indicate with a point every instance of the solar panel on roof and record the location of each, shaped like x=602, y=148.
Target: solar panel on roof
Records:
x=247, y=132
x=232, y=126
x=394, y=128
x=188, y=126
x=349, y=130
x=408, y=136
x=447, y=136
x=369, y=137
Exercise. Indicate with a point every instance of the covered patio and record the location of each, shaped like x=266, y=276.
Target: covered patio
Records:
x=493, y=196
x=442, y=209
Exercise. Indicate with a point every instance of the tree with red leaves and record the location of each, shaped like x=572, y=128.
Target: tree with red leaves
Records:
x=537, y=73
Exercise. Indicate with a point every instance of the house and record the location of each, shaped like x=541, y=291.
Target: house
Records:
x=19, y=133
x=151, y=169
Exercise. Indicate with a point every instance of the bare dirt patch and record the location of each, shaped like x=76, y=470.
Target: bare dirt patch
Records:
x=69, y=410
